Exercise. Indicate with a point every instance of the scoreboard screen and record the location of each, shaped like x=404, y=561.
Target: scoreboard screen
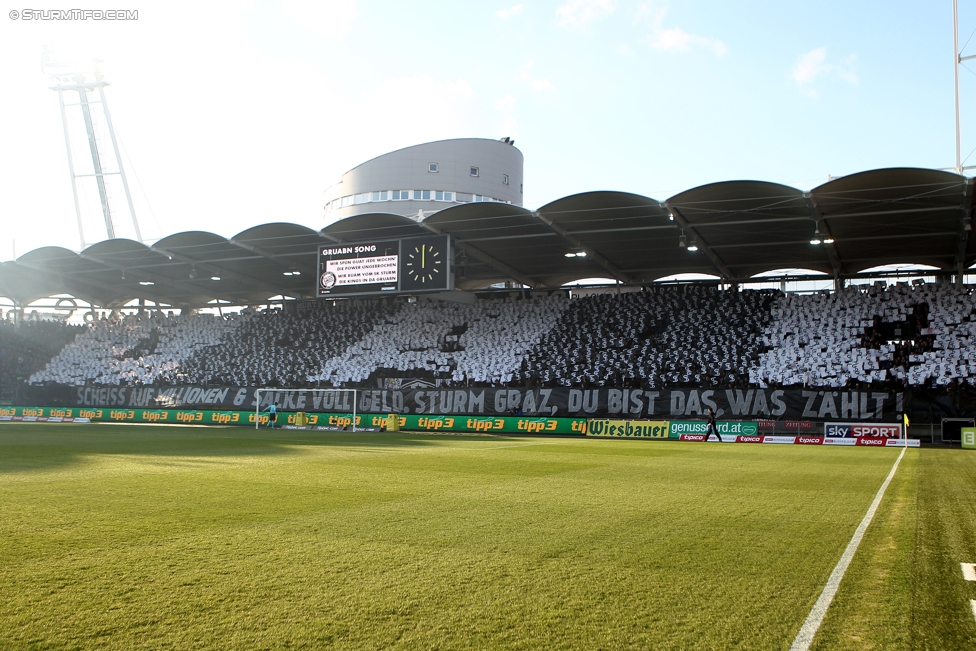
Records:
x=417, y=264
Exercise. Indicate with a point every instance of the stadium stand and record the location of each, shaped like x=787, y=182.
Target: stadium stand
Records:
x=281, y=349
x=26, y=347
x=481, y=343
x=663, y=336
x=146, y=348
x=273, y=348
x=922, y=335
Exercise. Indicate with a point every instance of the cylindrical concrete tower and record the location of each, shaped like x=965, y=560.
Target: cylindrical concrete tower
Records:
x=428, y=178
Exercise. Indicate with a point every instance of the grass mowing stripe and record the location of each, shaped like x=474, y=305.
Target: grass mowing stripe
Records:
x=809, y=629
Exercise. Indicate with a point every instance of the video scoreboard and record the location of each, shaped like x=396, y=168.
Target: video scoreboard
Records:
x=416, y=264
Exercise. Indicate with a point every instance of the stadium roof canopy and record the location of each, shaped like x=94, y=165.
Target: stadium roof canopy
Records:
x=741, y=229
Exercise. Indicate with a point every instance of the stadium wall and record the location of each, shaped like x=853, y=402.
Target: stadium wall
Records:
x=849, y=434
x=746, y=404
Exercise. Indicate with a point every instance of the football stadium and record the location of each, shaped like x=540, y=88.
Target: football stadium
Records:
x=467, y=452
x=742, y=416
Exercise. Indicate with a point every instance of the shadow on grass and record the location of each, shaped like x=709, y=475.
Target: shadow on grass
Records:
x=41, y=446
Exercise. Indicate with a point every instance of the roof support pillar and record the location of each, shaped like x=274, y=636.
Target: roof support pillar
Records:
x=965, y=228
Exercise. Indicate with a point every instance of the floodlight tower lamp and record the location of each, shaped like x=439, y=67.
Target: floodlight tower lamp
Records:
x=83, y=80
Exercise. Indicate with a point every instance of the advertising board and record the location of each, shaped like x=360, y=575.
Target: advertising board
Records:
x=489, y=424
x=477, y=424
x=809, y=440
x=725, y=428
x=486, y=424
x=165, y=416
x=652, y=429
x=418, y=264
x=968, y=438
x=857, y=430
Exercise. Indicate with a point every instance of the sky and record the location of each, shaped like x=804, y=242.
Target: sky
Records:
x=233, y=114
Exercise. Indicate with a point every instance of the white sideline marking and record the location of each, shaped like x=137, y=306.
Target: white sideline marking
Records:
x=812, y=624
x=969, y=571
x=972, y=602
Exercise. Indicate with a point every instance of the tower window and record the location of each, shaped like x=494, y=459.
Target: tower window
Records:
x=431, y=167
x=505, y=179
x=474, y=171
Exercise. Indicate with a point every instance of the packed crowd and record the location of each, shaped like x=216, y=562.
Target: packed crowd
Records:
x=839, y=339
x=27, y=346
x=480, y=343
x=285, y=349
x=662, y=336
x=686, y=335
x=140, y=349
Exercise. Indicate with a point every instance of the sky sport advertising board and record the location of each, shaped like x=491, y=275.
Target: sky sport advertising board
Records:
x=858, y=430
x=418, y=264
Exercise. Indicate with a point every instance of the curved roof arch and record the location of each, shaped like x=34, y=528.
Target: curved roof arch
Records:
x=189, y=240
x=372, y=226
x=906, y=262
x=747, y=227
x=898, y=213
x=794, y=271
x=274, y=231
x=292, y=246
x=632, y=236
x=741, y=229
x=500, y=241
x=891, y=183
x=72, y=273
x=687, y=276
x=596, y=199
x=821, y=269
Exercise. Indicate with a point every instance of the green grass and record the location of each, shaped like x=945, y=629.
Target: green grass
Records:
x=125, y=537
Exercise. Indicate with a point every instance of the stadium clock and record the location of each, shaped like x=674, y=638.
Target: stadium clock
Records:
x=425, y=264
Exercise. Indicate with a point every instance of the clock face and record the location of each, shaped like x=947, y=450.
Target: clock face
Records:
x=426, y=264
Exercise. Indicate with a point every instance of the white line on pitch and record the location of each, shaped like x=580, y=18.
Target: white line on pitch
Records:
x=969, y=571
x=972, y=603
x=812, y=624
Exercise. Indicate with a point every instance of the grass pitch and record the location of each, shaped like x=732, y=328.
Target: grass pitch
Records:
x=125, y=537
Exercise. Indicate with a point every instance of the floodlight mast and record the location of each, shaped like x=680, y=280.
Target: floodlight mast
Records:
x=83, y=83
x=71, y=170
x=957, y=60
